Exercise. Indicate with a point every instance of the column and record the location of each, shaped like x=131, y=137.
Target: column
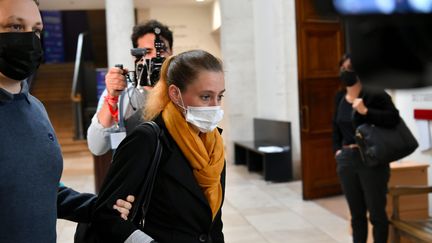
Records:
x=276, y=67
x=120, y=21
x=237, y=45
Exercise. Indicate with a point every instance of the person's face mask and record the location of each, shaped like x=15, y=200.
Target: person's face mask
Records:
x=20, y=54
x=349, y=78
x=205, y=118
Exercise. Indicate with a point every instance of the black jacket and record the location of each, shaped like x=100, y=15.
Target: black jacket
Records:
x=178, y=211
x=381, y=112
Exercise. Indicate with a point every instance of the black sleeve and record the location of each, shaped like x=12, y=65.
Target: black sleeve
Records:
x=74, y=206
x=217, y=229
x=336, y=134
x=381, y=110
x=125, y=176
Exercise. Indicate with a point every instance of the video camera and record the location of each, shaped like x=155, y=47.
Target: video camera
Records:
x=390, y=42
x=147, y=71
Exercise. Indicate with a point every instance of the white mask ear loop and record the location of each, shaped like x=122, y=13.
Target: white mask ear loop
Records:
x=181, y=99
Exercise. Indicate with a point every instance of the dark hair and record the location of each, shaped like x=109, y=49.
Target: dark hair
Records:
x=148, y=27
x=180, y=70
x=345, y=57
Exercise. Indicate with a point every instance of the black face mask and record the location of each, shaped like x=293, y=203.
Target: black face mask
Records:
x=349, y=78
x=20, y=54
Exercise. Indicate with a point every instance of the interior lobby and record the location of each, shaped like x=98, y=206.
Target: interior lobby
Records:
x=281, y=64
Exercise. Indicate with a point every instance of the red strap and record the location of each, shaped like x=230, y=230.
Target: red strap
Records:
x=112, y=102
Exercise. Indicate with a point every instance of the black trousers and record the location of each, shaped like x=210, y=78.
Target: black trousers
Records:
x=365, y=189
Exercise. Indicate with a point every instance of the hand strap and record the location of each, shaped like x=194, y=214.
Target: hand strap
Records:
x=111, y=101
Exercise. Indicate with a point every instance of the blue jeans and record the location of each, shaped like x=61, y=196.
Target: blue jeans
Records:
x=365, y=189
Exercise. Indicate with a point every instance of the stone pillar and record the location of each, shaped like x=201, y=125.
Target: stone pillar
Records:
x=120, y=21
x=237, y=45
x=276, y=67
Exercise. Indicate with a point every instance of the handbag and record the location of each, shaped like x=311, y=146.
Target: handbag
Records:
x=382, y=145
x=86, y=234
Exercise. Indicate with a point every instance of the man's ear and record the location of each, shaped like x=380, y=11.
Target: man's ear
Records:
x=174, y=93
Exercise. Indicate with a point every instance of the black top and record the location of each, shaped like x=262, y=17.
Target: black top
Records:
x=178, y=212
x=344, y=121
x=30, y=169
x=381, y=112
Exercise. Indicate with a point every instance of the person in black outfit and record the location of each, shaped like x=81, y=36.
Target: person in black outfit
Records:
x=187, y=198
x=364, y=187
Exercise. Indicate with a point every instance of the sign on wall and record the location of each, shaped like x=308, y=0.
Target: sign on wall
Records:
x=53, y=42
x=100, y=81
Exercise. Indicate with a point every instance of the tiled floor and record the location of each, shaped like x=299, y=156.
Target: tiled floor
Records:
x=254, y=210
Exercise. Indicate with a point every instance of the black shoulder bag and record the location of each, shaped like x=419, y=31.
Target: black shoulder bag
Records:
x=84, y=231
x=382, y=145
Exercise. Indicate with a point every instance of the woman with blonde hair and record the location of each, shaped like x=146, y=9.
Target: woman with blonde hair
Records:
x=188, y=193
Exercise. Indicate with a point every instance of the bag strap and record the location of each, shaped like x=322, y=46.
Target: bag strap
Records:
x=144, y=196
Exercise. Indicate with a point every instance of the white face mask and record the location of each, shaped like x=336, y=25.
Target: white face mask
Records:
x=205, y=118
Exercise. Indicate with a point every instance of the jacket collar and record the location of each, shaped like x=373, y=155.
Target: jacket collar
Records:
x=7, y=97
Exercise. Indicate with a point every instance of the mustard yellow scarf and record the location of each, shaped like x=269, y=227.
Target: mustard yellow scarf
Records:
x=204, y=151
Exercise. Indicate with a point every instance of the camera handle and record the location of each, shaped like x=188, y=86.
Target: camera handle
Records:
x=120, y=66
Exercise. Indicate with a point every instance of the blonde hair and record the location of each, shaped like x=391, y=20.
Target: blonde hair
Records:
x=181, y=71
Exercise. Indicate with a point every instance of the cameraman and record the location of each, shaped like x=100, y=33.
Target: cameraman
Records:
x=118, y=108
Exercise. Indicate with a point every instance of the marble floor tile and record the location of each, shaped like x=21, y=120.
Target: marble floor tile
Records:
x=249, y=196
x=65, y=231
x=244, y=234
x=235, y=221
x=297, y=236
x=282, y=220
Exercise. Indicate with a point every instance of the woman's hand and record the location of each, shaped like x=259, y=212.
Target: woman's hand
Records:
x=124, y=206
x=338, y=152
x=359, y=106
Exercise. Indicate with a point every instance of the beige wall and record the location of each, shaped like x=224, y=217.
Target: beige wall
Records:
x=192, y=26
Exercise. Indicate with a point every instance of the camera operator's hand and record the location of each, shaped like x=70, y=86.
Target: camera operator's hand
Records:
x=115, y=81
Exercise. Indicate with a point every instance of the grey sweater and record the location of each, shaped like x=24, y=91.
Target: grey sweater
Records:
x=30, y=170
